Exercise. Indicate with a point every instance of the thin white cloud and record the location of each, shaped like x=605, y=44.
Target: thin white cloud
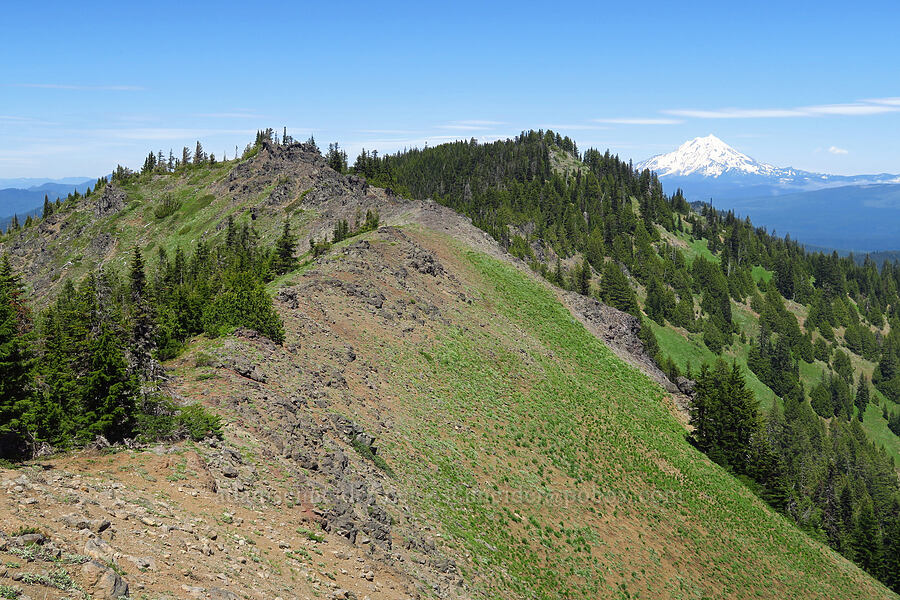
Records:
x=736, y=113
x=581, y=127
x=150, y=133
x=17, y=120
x=640, y=121
x=470, y=125
x=850, y=109
x=455, y=127
x=479, y=122
x=863, y=108
x=389, y=131
x=836, y=150
x=65, y=86
x=887, y=101
x=231, y=115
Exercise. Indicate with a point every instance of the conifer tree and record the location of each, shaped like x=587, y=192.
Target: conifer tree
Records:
x=615, y=290
x=108, y=390
x=862, y=397
x=284, y=250
x=867, y=538
x=724, y=415
x=199, y=154
x=142, y=325
x=584, y=278
x=15, y=364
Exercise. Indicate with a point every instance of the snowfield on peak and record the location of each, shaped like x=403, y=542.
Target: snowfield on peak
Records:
x=707, y=156
x=707, y=167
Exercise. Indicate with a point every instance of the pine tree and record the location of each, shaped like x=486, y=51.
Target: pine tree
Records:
x=142, y=325
x=615, y=290
x=724, y=414
x=199, y=154
x=48, y=207
x=584, y=278
x=138, y=276
x=284, y=250
x=108, y=391
x=867, y=538
x=862, y=397
x=16, y=365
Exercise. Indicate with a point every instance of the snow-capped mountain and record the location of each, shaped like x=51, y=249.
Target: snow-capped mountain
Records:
x=708, y=167
x=860, y=212
x=707, y=156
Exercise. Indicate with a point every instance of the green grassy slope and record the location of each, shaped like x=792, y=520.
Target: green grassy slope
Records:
x=562, y=473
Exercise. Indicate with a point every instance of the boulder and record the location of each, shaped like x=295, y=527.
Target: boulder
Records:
x=102, y=583
x=98, y=549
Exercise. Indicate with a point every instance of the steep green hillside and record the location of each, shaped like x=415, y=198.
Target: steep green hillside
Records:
x=562, y=472
x=817, y=337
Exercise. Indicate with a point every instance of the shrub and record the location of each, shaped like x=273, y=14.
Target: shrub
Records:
x=167, y=208
x=161, y=419
x=243, y=302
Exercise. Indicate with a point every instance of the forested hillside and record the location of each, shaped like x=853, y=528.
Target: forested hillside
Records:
x=808, y=416
x=148, y=265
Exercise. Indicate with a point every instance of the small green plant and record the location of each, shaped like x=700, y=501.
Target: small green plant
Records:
x=119, y=570
x=59, y=579
x=366, y=452
x=10, y=592
x=310, y=535
x=161, y=419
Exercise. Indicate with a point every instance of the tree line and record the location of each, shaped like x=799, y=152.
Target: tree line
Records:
x=88, y=364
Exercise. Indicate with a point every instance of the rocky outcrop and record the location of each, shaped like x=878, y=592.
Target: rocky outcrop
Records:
x=111, y=200
x=619, y=330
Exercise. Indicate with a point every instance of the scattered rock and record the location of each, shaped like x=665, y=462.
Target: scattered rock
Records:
x=99, y=549
x=243, y=367
x=29, y=538
x=79, y=522
x=102, y=582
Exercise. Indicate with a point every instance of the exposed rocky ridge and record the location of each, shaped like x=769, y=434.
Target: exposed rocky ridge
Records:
x=307, y=413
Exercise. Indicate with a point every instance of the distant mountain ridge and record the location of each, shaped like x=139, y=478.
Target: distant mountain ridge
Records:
x=30, y=182
x=23, y=201
x=707, y=167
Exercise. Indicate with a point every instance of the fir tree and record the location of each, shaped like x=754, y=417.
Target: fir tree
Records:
x=284, y=250
x=199, y=154
x=584, y=278
x=615, y=290
x=15, y=365
x=862, y=397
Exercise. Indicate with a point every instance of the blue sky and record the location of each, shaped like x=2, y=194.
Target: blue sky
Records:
x=814, y=85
